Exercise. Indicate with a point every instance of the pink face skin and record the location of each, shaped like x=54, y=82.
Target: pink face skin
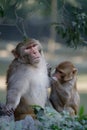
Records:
x=33, y=52
x=59, y=75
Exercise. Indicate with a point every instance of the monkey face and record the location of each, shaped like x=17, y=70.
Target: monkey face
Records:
x=29, y=52
x=59, y=74
x=32, y=54
x=65, y=71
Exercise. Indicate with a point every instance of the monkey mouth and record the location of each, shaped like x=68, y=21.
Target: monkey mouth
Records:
x=36, y=59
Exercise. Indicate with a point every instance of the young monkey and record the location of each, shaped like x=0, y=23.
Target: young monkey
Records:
x=64, y=94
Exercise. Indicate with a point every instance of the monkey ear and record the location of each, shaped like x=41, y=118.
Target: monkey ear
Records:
x=75, y=70
x=14, y=53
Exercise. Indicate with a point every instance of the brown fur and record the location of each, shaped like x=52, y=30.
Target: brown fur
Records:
x=64, y=94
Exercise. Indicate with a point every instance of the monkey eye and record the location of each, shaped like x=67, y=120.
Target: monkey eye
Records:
x=59, y=71
x=28, y=47
x=34, y=45
x=40, y=51
x=31, y=46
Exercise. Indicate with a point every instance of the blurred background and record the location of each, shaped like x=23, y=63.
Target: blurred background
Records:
x=61, y=27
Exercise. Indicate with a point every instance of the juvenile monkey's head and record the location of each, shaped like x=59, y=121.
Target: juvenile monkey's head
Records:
x=65, y=71
x=29, y=50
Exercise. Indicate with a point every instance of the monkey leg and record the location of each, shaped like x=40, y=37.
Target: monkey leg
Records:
x=70, y=110
x=21, y=112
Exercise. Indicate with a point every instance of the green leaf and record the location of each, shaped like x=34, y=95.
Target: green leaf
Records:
x=54, y=127
x=1, y=12
x=81, y=111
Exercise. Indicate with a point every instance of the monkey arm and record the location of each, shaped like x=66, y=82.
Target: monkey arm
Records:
x=58, y=95
x=13, y=99
x=63, y=91
x=58, y=92
x=16, y=88
x=69, y=87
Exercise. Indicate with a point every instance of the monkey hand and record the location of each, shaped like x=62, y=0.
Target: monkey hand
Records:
x=8, y=110
x=1, y=109
x=54, y=81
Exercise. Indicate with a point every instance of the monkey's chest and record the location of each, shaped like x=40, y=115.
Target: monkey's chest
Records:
x=37, y=92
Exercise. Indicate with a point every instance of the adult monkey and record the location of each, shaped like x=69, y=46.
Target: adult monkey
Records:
x=64, y=94
x=27, y=79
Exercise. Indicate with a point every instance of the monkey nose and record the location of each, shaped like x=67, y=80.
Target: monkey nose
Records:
x=34, y=51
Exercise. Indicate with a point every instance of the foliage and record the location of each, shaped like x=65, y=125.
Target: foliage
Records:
x=47, y=119
x=72, y=21
x=15, y=12
x=1, y=12
x=12, y=9
x=52, y=120
x=45, y=7
x=71, y=15
x=74, y=31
